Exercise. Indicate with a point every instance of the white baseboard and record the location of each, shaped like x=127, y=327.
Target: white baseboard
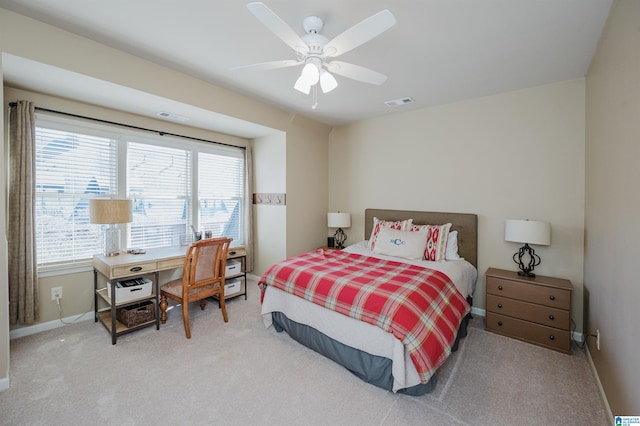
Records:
x=477, y=311
x=38, y=328
x=4, y=384
x=600, y=388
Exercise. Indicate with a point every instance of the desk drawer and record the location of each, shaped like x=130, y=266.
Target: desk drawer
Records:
x=530, y=312
x=129, y=270
x=551, y=338
x=549, y=296
x=236, y=252
x=170, y=263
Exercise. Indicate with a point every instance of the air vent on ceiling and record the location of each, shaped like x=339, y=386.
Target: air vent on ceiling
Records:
x=399, y=102
x=171, y=116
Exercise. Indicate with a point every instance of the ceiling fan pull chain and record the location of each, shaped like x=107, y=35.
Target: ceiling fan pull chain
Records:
x=314, y=91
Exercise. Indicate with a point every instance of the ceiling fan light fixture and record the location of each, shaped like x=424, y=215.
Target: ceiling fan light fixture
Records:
x=302, y=85
x=310, y=73
x=327, y=81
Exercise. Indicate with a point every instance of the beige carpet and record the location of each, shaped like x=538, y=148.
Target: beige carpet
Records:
x=240, y=373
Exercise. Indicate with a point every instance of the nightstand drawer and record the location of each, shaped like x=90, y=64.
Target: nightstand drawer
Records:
x=551, y=338
x=549, y=296
x=530, y=312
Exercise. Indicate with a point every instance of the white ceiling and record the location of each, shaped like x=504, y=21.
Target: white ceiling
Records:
x=439, y=51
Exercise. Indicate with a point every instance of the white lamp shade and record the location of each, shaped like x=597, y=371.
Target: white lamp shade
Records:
x=339, y=220
x=110, y=212
x=528, y=231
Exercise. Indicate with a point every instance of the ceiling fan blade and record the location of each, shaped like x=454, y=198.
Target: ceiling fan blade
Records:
x=277, y=25
x=360, y=33
x=356, y=72
x=269, y=65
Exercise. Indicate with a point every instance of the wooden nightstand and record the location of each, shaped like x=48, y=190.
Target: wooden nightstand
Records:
x=536, y=310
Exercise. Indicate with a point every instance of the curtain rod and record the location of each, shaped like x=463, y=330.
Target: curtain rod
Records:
x=159, y=132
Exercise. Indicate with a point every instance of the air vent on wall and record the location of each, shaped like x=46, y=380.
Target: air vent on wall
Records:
x=172, y=116
x=399, y=102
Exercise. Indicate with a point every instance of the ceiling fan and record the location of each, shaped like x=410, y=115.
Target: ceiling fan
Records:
x=316, y=52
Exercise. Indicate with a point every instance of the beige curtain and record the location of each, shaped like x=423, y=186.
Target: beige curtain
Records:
x=248, y=215
x=23, y=280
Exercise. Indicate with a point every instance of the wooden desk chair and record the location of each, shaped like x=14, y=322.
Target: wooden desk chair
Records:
x=203, y=276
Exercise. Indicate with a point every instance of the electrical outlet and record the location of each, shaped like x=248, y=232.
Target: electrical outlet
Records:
x=598, y=339
x=56, y=293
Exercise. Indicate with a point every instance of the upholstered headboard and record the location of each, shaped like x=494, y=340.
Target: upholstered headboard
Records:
x=466, y=224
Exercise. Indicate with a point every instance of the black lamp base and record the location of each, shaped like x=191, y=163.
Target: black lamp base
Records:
x=339, y=238
x=534, y=260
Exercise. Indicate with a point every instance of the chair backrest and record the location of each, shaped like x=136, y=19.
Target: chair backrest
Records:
x=205, y=263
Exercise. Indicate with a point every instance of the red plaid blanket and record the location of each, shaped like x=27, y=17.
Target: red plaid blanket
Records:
x=421, y=307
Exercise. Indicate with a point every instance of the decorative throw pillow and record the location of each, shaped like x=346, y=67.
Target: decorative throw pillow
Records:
x=452, y=246
x=406, y=244
x=399, y=225
x=437, y=237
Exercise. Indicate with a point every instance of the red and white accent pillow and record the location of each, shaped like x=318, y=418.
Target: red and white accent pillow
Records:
x=398, y=225
x=437, y=237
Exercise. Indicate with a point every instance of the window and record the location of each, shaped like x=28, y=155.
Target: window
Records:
x=220, y=195
x=158, y=181
x=173, y=183
x=71, y=167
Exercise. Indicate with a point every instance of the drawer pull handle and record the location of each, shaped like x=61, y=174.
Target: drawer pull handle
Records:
x=500, y=287
x=552, y=297
x=552, y=337
x=551, y=317
x=500, y=305
x=136, y=269
x=500, y=323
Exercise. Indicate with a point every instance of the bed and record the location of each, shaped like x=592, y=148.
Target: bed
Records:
x=379, y=355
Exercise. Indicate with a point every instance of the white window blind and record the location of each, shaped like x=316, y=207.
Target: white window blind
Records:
x=220, y=195
x=159, y=183
x=78, y=160
x=71, y=168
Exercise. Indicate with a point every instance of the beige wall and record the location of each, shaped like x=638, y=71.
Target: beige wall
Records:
x=515, y=155
x=304, y=140
x=269, y=222
x=307, y=190
x=612, y=206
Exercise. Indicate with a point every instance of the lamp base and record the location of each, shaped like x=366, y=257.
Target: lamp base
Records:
x=534, y=260
x=112, y=241
x=339, y=238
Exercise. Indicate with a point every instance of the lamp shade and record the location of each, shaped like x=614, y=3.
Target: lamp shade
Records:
x=327, y=81
x=339, y=220
x=528, y=231
x=110, y=212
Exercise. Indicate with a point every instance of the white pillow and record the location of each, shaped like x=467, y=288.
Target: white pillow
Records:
x=452, y=246
x=401, y=225
x=406, y=244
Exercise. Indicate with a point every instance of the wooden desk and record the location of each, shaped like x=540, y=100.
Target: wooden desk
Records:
x=127, y=265
x=130, y=265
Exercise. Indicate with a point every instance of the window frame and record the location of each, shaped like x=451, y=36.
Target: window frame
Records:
x=123, y=136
